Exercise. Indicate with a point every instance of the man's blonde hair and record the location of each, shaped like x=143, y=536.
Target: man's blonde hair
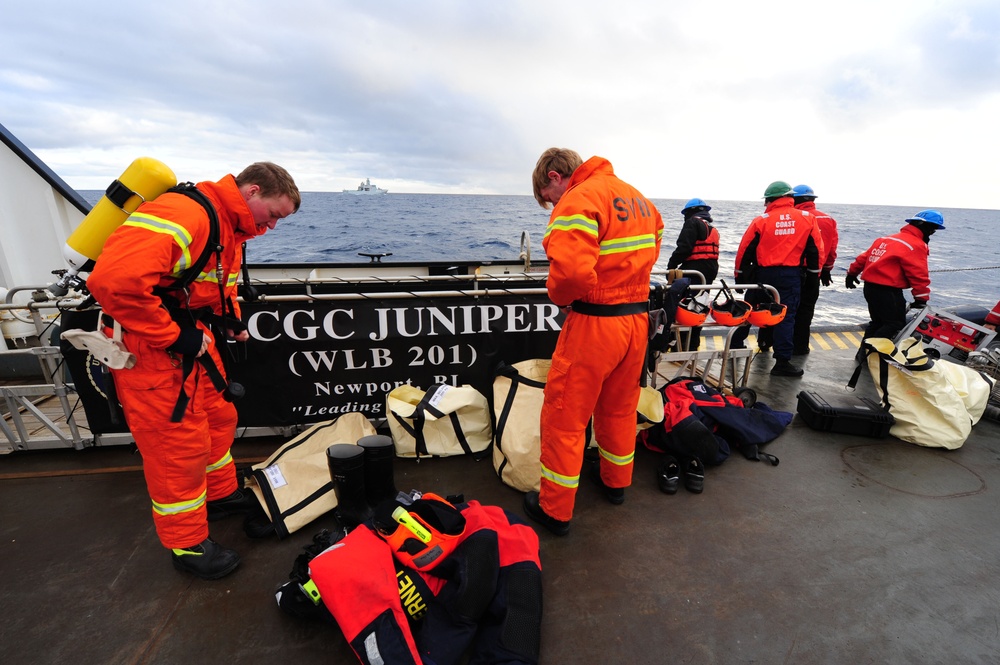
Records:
x=561, y=160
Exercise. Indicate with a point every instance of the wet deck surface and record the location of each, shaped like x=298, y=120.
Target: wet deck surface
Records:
x=852, y=550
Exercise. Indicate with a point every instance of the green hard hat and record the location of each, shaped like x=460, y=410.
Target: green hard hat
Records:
x=777, y=189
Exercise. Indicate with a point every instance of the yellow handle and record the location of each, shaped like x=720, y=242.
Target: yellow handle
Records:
x=404, y=518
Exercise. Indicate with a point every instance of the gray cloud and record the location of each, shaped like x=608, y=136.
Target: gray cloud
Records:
x=960, y=50
x=370, y=95
x=946, y=58
x=462, y=96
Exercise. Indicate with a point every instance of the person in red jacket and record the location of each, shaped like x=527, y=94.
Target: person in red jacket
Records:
x=993, y=318
x=775, y=249
x=891, y=264
x=804, y=200
x=602, y=240
x=189, y=470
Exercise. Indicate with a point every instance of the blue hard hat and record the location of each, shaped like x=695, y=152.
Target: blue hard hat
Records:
x=932, y=217
x=803, y=190
x=695, y=203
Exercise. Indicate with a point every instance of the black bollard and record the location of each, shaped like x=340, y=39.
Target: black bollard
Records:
x=379, y=481
x=347, y=470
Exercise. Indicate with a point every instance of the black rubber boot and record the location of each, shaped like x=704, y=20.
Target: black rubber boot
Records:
x=534, y=510
x=347, y=470
x=614, y=495
x=236, y=503
x=784, y=368
x=208, y=560
x=379, y=481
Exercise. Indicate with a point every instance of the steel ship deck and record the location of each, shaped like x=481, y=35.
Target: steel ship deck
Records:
x=852, y=550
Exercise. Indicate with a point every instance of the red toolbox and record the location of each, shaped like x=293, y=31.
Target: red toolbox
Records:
x=946, y=335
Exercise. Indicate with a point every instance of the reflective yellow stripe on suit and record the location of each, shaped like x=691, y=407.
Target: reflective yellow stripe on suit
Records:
x=559, y=479
x=572, y=223
x=617, y=460
x=226, y=459
x=179, y=507
x=180, y=235
x=628, y=244
x=209, y=276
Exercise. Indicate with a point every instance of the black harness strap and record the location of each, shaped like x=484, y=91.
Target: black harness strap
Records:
x=186, y=317
x=214, y=235
x=249, y=290
x=119, y=194
x=187, y=366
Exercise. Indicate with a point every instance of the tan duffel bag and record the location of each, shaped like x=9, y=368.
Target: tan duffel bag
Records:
x=441, y=421
x=518, y=391
x=293, y=485
x=935, y=402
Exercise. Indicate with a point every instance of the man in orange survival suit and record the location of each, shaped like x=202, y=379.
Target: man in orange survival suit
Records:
x=189, y=471
x=602, y=240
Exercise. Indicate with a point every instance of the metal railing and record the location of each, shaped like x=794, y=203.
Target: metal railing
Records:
x=22, y=401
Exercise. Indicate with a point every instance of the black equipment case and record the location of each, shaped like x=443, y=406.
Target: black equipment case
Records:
x=845, y=414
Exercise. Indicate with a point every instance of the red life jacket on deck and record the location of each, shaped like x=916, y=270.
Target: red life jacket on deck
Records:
x=479, y=577
x=701, y=422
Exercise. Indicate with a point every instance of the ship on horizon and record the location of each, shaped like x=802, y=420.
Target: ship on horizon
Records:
x=366, y=187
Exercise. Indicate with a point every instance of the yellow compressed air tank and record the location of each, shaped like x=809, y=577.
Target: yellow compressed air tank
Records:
x=144, y=180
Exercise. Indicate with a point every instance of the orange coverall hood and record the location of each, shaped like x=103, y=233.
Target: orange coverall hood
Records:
x=233, y=210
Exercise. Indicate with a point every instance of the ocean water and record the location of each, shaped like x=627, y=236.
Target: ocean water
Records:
x=332, y=227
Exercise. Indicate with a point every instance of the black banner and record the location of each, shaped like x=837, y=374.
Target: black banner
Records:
x=311, y=361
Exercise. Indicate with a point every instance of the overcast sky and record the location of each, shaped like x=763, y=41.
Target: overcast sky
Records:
x=867, y=101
